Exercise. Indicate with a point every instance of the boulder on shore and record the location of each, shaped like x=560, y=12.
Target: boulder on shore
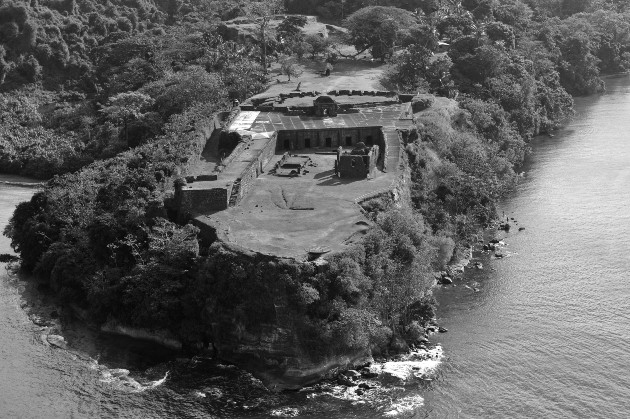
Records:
x=352, y=374
x=119, y=372
x=57, y=341
x=345, y=381
x=369, y=372
x=396, y=373
x=39, y=321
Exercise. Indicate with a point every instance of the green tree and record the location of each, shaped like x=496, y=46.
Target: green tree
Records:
x=291, y=27
x=179, y=91
x=571, y=7
x=429, y=6
x=514, y=13
x=173, y=8
x=454, y=27
x=378, y=28
x=290, y=67
x=409, y=69
x=262, y=12
x=126, y=107
x=500, y=32
x=317, y=44
x=5, y=67
x=397, y=254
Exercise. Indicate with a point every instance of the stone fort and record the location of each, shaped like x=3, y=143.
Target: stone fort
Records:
x=354, y=143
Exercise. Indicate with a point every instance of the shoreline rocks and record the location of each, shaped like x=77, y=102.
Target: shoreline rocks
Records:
x=57, y=341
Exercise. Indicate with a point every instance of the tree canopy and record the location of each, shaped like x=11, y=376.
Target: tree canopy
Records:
x=378, y=28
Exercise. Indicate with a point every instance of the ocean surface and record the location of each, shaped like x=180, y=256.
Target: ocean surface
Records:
x=543, y=332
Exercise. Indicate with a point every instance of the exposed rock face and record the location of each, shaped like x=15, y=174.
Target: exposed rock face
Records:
x=119, y=372
x=276, y=357
x=161, y=337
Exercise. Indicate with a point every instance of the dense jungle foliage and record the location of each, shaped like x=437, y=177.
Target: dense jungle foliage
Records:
x=117, y=89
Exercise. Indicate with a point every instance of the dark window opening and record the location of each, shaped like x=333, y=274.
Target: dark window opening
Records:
x=353, y=163
x=348, y=141
x=369, y=141
x=328, y=142
x=307, y=143
x=287, y=144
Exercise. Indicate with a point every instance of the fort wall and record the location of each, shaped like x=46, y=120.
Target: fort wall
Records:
x=357, y=166
x=230, y=181
x=329, y=138
x=194, y=201
x=203, y=134
x=247, y=178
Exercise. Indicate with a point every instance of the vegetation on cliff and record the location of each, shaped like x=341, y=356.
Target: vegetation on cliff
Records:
x=82, y=81
x=118, y=90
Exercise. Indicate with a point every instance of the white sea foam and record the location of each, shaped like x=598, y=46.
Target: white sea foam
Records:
x=418, y=364
x=404, y=406
x=213, y=392
x=120, y=379
x=285, y=412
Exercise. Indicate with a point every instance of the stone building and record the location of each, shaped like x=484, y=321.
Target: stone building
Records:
x=357, y=164
x=362, y=127
x=325, y=106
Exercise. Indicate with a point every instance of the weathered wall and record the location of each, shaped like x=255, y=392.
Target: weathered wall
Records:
x=248, y=177
x=399, y=191
x=203, y=133
x=355, y=166
x=195, y=201
x=317, y=138
x=240, y=147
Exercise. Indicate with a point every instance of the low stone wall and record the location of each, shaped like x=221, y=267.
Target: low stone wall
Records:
x=240, y=147
x=399, y=190
x=248, y=176
x=357, y=166
x=384, y=149
x=192, y=201
x=203, y=132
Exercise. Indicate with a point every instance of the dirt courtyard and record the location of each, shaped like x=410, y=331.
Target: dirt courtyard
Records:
x=347, y=74
x=287, y=216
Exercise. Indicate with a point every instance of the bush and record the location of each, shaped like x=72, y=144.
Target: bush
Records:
x=30, y=69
